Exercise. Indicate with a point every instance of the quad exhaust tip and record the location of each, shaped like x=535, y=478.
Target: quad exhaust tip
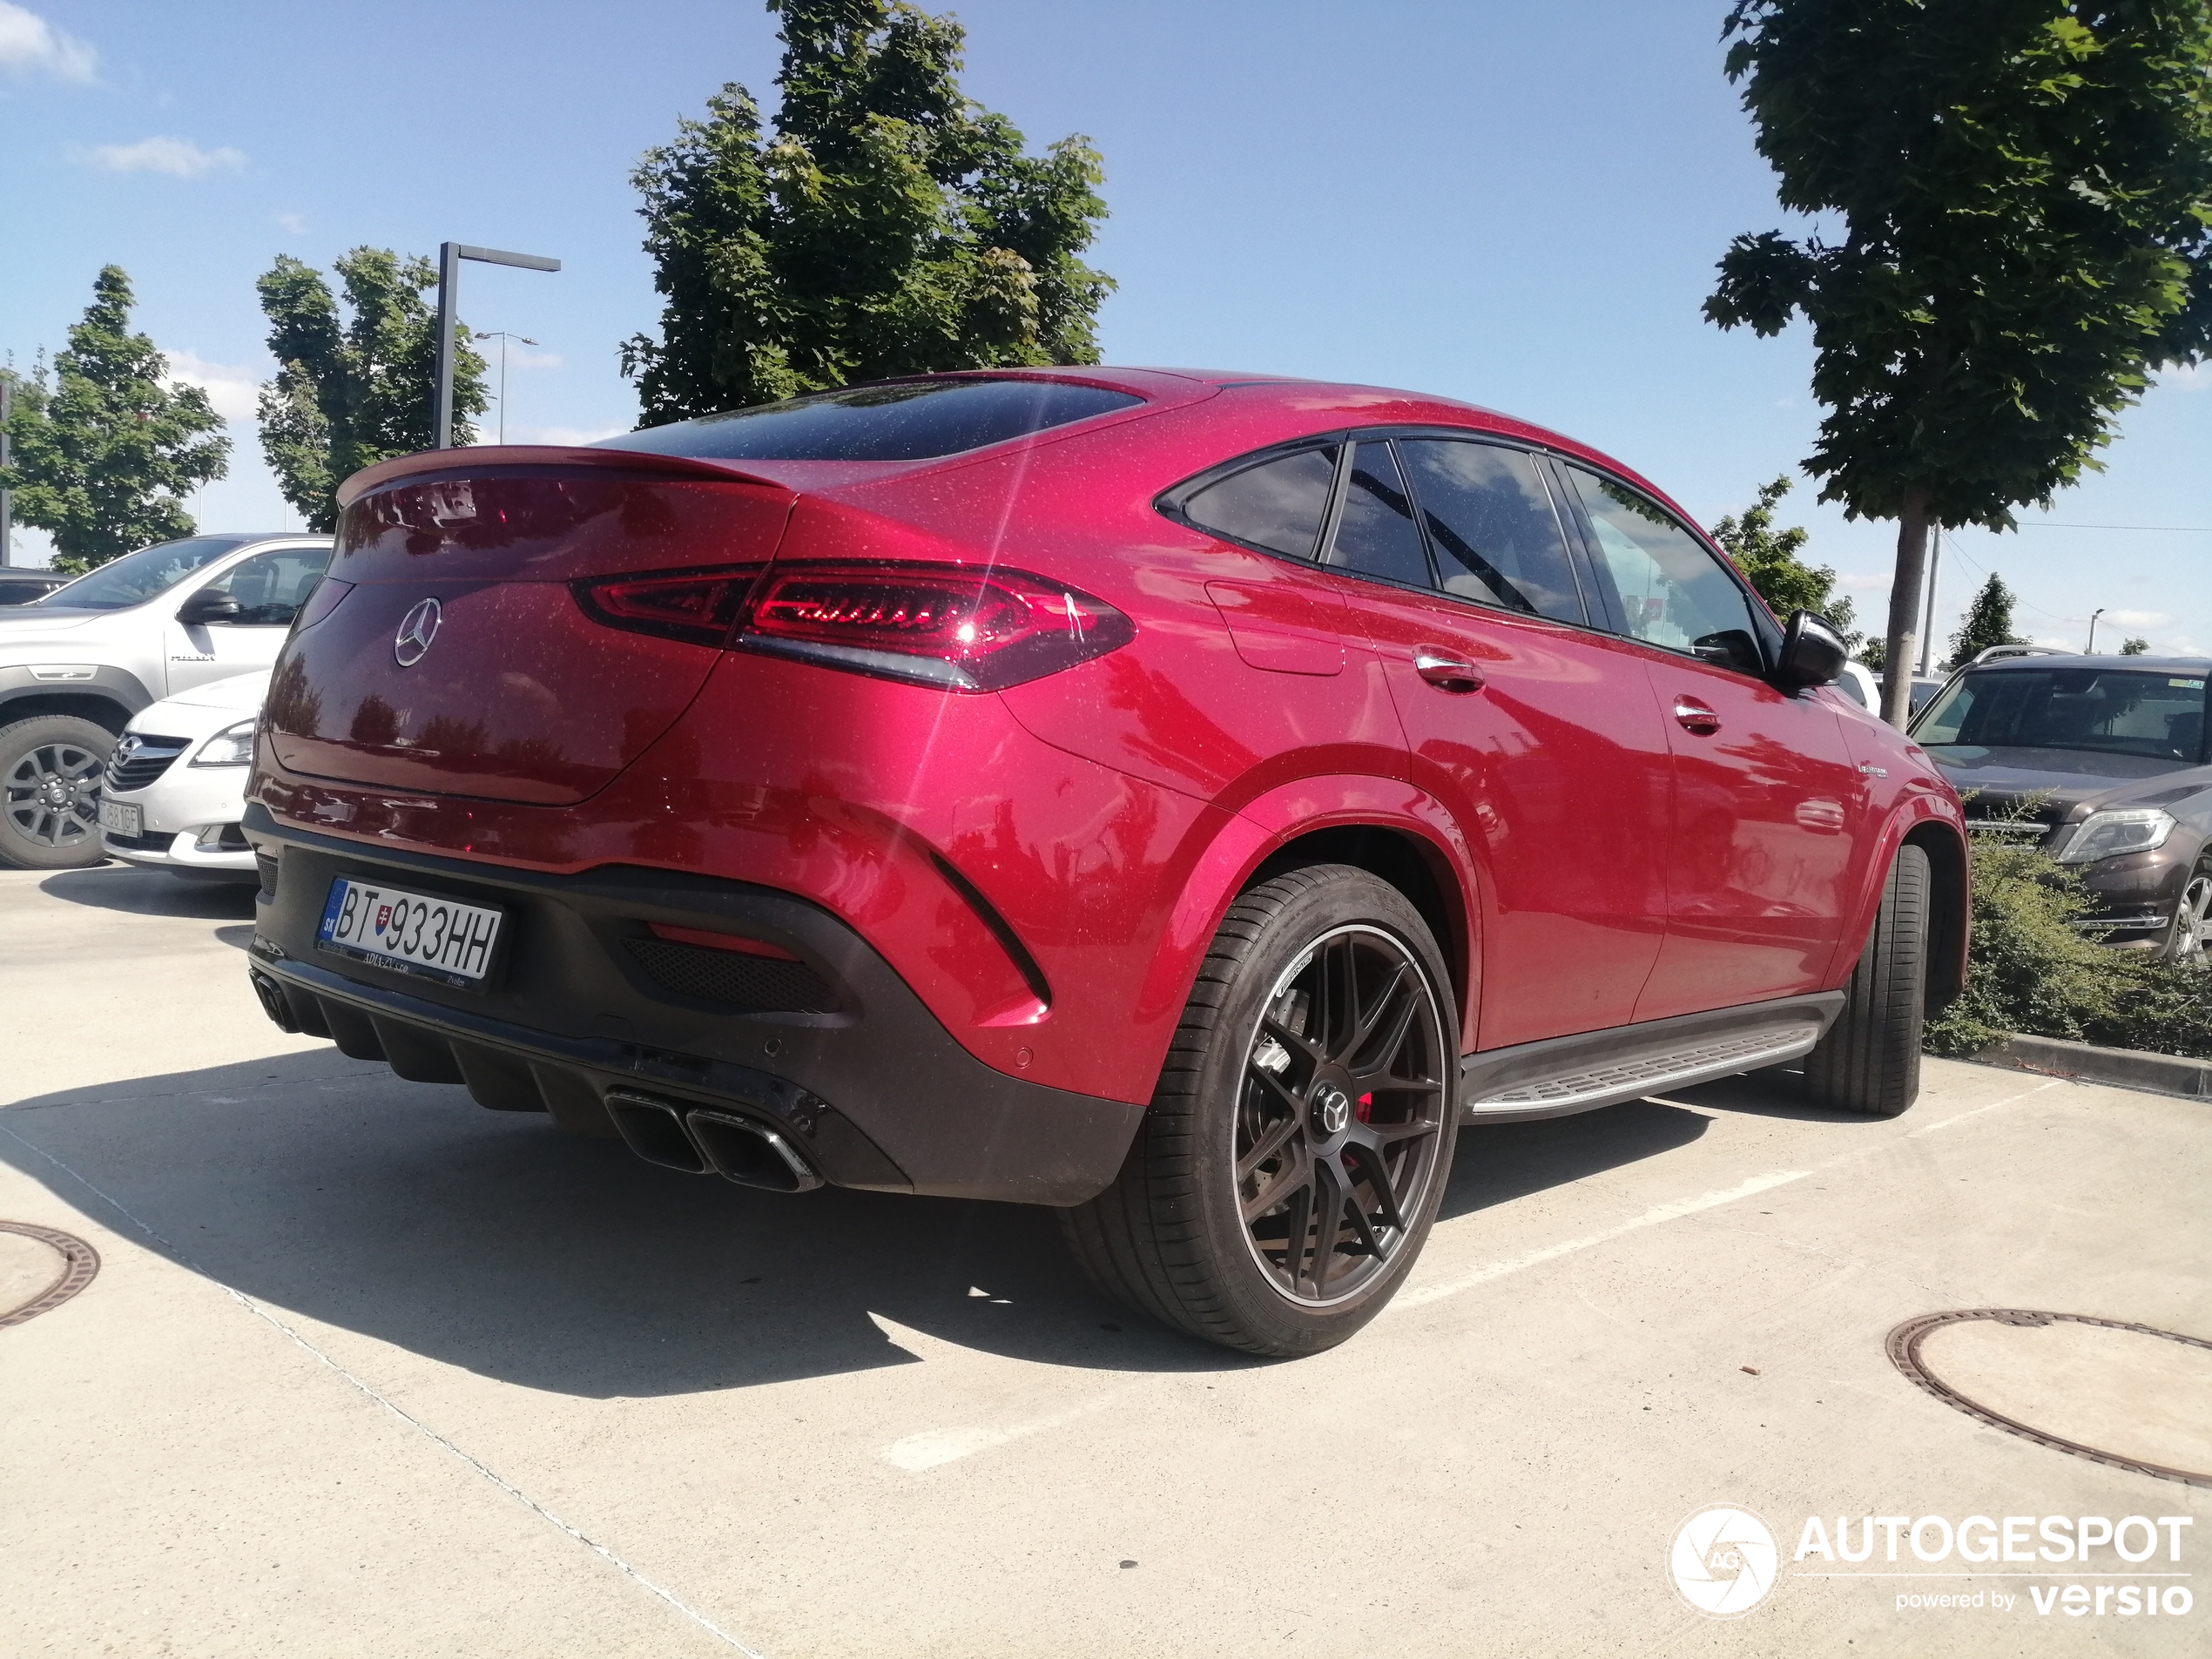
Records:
x=698, y=1140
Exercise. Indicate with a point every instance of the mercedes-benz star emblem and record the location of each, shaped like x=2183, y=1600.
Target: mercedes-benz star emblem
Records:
x=417, y=629
x=1332, y=1109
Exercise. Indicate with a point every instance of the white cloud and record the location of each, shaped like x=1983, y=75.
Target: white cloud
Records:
x=2139, y=618
x=519, y=356
x=178, y=157
x=234, y=392
x=295, y=223
x=31, y=45
x=1866, y=584
x=566, y=437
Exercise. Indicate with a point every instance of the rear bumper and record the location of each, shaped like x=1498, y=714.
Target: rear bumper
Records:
x=852, y=1069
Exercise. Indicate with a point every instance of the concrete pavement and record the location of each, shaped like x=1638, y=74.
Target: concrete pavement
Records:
x=367, y=1369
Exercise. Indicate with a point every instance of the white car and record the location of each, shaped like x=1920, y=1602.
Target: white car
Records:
x=175, y=787
x=77, y=664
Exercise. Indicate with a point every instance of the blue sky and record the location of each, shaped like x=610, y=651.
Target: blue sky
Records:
x=1517, y=205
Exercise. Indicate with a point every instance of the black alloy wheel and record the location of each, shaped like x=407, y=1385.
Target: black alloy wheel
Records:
x=1337, y=1135
x=50, y=791
x=1296, y=1147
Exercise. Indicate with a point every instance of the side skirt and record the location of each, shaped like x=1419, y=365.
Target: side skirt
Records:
x=1562, y=1076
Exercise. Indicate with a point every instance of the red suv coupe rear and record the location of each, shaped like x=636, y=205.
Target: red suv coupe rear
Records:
x=1178, y=798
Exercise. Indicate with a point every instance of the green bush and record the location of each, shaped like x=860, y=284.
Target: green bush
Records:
x=2029, y=972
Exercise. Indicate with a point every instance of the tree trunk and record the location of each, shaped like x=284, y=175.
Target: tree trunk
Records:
x=1900, y=646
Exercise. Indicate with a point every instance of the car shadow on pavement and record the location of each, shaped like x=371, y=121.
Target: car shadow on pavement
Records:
x=328, y=1189
x=151, y=893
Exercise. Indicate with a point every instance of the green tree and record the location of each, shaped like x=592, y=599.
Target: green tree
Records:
x=106, y=454
x=2134, y=647
x=1988, y=622
x=889, y=226
x=2024, y=195
x=355, y=387
x=1768, y=558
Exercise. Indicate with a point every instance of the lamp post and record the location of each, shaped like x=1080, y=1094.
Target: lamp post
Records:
x=1927, y=628
x=502, y=336
x=7, y=454
x=450, y=257
x=2094, y=615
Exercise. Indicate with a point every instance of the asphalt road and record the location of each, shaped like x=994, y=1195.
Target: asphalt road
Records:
x=368, y=1370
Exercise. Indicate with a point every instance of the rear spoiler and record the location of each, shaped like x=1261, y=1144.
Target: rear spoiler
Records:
x=477, y=458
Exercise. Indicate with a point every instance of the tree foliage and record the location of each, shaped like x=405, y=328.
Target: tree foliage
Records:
x=888, y=226
x=354, y=387
x=2029, y=969
x=2023, y=193
x=1988, y=622
x=106, y=453
x=2134, y=647
x=1769, y=558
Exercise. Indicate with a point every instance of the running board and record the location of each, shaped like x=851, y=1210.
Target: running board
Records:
x=1579, y=1074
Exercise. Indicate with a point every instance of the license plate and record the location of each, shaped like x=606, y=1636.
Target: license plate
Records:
x=414, y=933
x=123, y=817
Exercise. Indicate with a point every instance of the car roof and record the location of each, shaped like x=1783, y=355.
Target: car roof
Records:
x=2193, y=665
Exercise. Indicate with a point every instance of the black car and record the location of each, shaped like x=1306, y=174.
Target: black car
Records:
x=2103, y=761
x=21, y=587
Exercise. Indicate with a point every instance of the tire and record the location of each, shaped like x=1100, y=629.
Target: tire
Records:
x=1869, y=1060
x=2188, y=942
x=50, y=791
x=1274, y=1066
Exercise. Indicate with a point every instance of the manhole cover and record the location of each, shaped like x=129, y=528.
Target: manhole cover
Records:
x=40, y=1268
x=2128, y=1395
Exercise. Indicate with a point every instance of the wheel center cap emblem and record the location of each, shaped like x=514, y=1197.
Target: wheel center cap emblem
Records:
x=1332, y=1109
x=417, y=629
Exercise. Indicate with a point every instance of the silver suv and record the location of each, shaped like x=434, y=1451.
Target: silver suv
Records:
x=77, y=664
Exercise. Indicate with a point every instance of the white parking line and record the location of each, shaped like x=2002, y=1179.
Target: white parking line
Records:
x=1420, y=1296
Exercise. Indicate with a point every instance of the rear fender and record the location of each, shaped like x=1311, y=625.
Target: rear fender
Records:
x=1273, y=824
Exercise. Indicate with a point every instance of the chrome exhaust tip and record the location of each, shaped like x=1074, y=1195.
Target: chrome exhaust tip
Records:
x=654, y=1130
x=750, y=1153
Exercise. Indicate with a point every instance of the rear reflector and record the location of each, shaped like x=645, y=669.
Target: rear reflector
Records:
x=737, y=942
x=931, y=623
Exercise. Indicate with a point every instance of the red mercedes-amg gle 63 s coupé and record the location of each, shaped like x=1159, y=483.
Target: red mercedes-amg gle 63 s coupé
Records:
x=1184, y=800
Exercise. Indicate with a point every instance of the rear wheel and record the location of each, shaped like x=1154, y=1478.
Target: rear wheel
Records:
x=1288, y=1170
x=1869, y=1060
x=50, y=791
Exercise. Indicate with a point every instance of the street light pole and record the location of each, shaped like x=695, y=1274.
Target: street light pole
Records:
x=450, y=257
x=2094, y=615
x=1927, y=628
x=7, y=455
x=502, y=336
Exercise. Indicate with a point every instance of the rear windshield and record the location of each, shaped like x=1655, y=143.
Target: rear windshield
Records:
x=136, y=578
x=908, y=421
x=2158, y=715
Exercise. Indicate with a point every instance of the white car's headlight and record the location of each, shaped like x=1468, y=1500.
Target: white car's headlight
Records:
x=2106, y=835
x=231, y=746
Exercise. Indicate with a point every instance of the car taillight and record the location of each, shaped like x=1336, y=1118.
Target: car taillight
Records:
x=931, y=623
x=321, y=602
x=699, y=606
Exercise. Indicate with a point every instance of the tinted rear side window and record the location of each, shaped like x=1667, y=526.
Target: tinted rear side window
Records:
x=910, y=421
x=1376, y=535
x=1490, y=519
x=1277, y=505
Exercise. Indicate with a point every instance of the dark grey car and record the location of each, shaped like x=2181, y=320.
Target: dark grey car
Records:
x=2103, y=761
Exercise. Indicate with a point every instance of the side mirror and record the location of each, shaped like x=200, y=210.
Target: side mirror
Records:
x=207, y=606
x=1812, y=653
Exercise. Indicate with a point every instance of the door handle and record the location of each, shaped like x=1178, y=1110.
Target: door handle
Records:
x=1446, y=671
x=1695, y=717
